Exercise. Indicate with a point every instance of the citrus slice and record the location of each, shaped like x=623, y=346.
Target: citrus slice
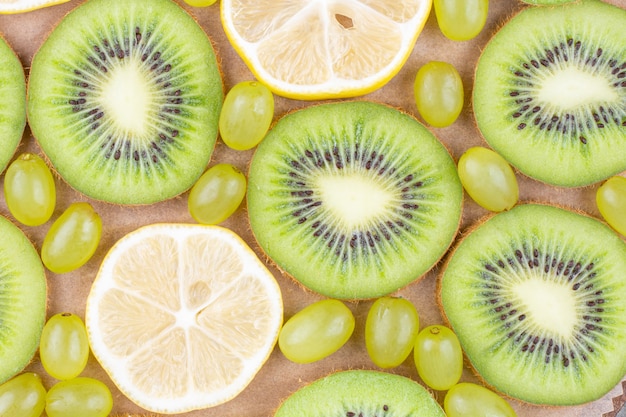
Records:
x=182, y=317
x=21, y=6
x=326, y=48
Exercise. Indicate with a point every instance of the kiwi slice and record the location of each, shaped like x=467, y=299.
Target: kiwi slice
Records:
x=361, y=393
x=23, y=300
x=353, y=199
x=550, y=92
x=537, y=297
x=13, y=103
x=124, y=98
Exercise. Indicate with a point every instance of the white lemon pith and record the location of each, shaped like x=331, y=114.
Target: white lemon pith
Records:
x=182, y=316
x=323, y=49
x=21, y=6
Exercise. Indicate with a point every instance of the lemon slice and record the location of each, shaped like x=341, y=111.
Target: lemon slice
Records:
x=21, y=6
x=182, y=316
x=323, y=49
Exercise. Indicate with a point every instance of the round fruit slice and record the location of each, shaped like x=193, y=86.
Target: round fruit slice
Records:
x=23, y=300
x=13, y=103
x=21, y=6
x=353, y=199
x=124, y=98
x=537, y=298
x=324, y=49
x=550, y=92
x=361, y=393
x=182, y=316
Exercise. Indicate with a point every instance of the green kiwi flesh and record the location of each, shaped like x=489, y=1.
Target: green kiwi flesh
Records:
x=550, y=92
x=23, y=298
x=354, y=199
x=124, y=98
x=537, y=297
x=13, y=103
x=361, y=393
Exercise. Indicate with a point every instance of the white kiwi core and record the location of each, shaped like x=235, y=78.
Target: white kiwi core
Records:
x=549, y=305
x=126, y=97
x=570, y=88
x=353, y=199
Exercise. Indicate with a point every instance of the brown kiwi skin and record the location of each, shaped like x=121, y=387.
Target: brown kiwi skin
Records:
x=439, y=279
x=270, y=262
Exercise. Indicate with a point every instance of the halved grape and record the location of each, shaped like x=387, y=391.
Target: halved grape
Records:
x=438, y=357
x=72, y=239
x=246, y=115
x=29, y=190
x=611, y=201
x=461, y=20
x=217, y=194
x=316, y=331
x=470, y=400
x=22, y=396
x=390, y=330
x=488, y=179
x=79, y=397
x=64, y=347
x=438, y=91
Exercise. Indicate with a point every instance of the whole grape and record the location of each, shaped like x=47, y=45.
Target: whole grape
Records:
x=438, y=357
x=22, y=396
x=488, y=179
x=470, y=400
x=64, y=347
x=217, y=194
x=29, y=190
x=316, y=331
x=390, y=329
x=72, y=239
x=438, y=91
x=246, y=115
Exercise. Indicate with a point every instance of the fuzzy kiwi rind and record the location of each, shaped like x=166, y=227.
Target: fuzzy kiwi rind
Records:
x=353, y=245
x=546, y=2
x=23, y=299
x=13, y=103
x=550, y=92
x=364, y=393
x=124, y=98
x=539, y=353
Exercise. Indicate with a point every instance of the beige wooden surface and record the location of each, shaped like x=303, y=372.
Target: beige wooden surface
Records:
x=279, y=377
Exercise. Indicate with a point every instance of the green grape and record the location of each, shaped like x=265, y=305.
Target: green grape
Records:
x=470, y=400
x=64, y=347
x=246, y=115
x=611, y=201
x=461, y=20
x=390, y=330
x=200, y=3
x=72, y=239
x=438, y=357
x=22, y=396
x=488, y=179
x=79, y=397
x=438, y=91
x=217, y=194
x=316, y=331
x=29, y=190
